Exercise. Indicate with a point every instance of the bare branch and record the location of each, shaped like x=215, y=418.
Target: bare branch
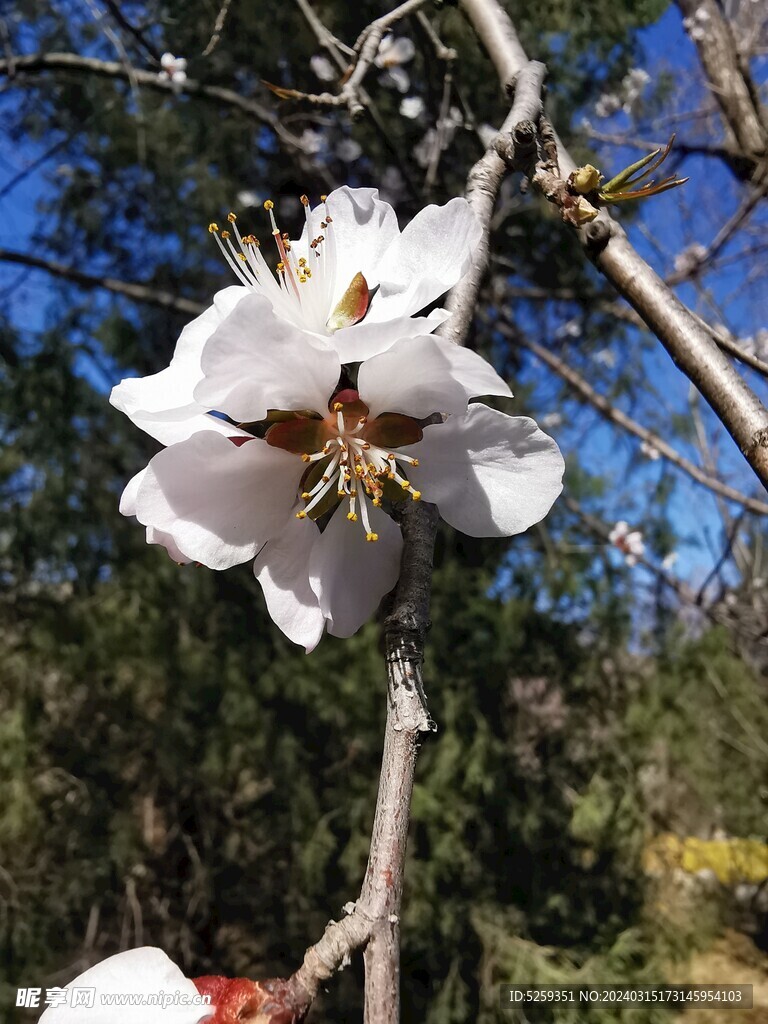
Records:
x=218, y=28
x=606, y=243
x=732, y=86
x=483, y=186
x=621, y=419
x=148, y=79
x=139, y=292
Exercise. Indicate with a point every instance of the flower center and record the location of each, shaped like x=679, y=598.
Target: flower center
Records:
x=350, y=458
x=304, y=288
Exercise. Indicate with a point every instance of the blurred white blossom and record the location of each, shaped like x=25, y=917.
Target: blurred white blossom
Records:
x=311, y=141
x=696, y=24
x=669, y=560
x=412, y=107
x=249, y=198
x=392, y=54
x=688, y=259
x=347, y=150
x=650, y=451
x=629, y=542
x=174, y=70
x=322, y=68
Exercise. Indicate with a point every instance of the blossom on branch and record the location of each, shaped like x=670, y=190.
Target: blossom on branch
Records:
x=354, y=280
x=173, y=69
x=392, y=54
x=629, y=542
x=322, y=451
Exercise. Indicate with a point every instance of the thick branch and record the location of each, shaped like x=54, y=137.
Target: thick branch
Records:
x=688, y=343
x=731, y=84
x=148, y=79
x=614, y=415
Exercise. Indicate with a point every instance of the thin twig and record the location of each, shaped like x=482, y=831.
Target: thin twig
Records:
x=621, y=419
x=139, y=292
x=35, y=62
x=218, y=28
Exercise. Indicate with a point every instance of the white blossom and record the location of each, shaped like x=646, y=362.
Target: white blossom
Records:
x=144, y=972
x=311, y=141
x=688, y=259
x=322, y=68
x=412, y=107
x=221, y=494
x=174, y=70
x=629, y=542
x=392, y=54
x=347, y=150
x=669, y=560
x=650, y=451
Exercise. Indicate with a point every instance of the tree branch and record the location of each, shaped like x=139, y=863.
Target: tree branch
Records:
x=148, y=79
x=731, y=85
x=621, y=419
x=139, y=292
x=606, y=243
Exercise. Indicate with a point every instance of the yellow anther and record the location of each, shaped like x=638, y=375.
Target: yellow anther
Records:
x=363, y=419
x=268, y=204
x=231, y=217
x=371, y=536
x=341, y=494
x=304, y=200
x=213, y=227
x=306, y=495
x=416, y=495
x=303, y=278
x=225, y=234
x=309, y=273
x=323, y=198
x=329, y=220
x=366, y=446
x=325, y=479
x=338, y=406
x=415, y=462
x=377, y=502
x=359, y=471
x=301, y=515
x=251, y=240
x=302, y=262
x=352, y=517
x=305, y=457
x=242, y=257
x=390, y=457
x=405, y=485
x=280, y=267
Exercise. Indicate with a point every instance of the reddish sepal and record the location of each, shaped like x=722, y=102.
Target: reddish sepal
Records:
x=241, y=1001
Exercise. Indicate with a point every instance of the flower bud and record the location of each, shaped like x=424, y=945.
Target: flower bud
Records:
x=585, y=178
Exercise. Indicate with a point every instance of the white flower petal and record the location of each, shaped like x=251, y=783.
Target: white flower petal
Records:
x=322, y=67
x=143, y=972
x=430, y=256
x=166, y=540
x=128, y=497
x=363, y=227
x=491, y=475
x=282, y=570
x=364, y=340
x=419, y=376
x=394, y=50
x=219, y=501
x=255, y=362
x=163, y=404
x=349, y=574
x=395, y=78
